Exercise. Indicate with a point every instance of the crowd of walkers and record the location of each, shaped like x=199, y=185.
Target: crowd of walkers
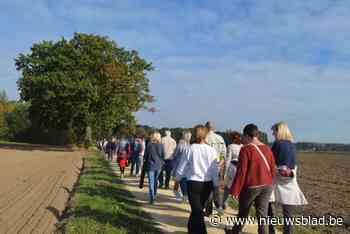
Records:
x=125, y=151
x=206, y=172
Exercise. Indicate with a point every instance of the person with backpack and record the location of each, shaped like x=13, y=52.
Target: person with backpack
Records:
x=123, y=154
x=253, y=181
x=137, y=150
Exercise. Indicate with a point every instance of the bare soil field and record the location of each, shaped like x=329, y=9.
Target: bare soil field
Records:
x=34, y=187
x=325, y=180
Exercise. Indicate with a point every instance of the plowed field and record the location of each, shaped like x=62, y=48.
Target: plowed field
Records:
x=34, y=188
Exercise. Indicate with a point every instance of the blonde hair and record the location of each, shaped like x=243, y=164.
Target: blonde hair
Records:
x=186, y=136
x=201, y=133
x=282, y=131
x=156, y=137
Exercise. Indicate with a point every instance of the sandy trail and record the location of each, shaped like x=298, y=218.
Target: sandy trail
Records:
x=34, y=188
x=171, y=215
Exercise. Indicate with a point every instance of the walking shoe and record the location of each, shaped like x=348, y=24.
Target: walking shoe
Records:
x=219, y=211
x=178, y=196
x=185, y=198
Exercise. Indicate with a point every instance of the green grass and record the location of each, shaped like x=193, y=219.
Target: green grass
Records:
x=296, y=229
x=102, y=205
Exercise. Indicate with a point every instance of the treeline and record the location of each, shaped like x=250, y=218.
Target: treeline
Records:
x=319, y=147
x=16, y=125
x=14, y=120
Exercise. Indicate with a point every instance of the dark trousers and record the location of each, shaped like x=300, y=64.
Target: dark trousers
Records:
x=198, y=193
x=167, y=168
x=136, y=164
x=258, y=196
x=287, y=213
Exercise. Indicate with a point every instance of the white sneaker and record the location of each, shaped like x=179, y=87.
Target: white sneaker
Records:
x=185, y=198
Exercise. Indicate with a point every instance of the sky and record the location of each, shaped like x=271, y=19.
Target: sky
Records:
x=229, y=61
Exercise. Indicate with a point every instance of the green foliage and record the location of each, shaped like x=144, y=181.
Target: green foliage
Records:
x=18, y=122
x=263, y=137
x=102, y=205
x=4, y=109
x=88, y=137
x=3, y=127
x=85, y=81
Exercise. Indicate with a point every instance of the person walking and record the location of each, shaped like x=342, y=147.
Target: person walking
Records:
x=137, y=150
x=286, y=189
x=111, y=148
x=169, y=147
x=200, y=168
x=231, y=162
x=180, y=152
x=253, y=181
x=123, y=154
x=217, y=142
x=154, y=162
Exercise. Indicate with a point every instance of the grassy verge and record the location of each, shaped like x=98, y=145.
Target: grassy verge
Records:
x=102, y=205
x=296, y=229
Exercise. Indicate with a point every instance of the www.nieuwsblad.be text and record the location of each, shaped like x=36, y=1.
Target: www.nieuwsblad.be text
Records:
x=217, y=220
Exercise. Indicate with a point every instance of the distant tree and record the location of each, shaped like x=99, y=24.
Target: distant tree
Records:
x=18, y=122
x=263, y=137
x=84, y=82
x=4, y=109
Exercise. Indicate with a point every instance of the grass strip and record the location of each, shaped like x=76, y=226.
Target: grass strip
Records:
x=101, y=204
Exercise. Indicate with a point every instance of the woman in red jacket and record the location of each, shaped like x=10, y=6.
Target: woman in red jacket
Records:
x=253, y=181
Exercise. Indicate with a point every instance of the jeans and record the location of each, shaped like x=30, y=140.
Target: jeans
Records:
x=183, y=186
x=259, y=196
x=136, y=164
x=152, y=184
x=198, y=193
x=287, y=213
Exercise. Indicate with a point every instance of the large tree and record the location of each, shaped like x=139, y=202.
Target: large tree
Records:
x=86, y=82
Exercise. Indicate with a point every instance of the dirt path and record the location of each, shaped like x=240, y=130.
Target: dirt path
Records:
x=170, y=214
x=34, y=188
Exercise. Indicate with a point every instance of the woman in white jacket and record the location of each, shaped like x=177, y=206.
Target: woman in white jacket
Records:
x=200, y=167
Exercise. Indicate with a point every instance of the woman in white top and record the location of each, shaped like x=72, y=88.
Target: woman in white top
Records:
x=200, y=168
x=231, y=162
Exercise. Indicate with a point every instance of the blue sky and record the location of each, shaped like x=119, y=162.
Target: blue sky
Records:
x=232, y=62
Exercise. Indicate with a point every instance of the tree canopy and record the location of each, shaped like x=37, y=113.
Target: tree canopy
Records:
x=87, y=83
